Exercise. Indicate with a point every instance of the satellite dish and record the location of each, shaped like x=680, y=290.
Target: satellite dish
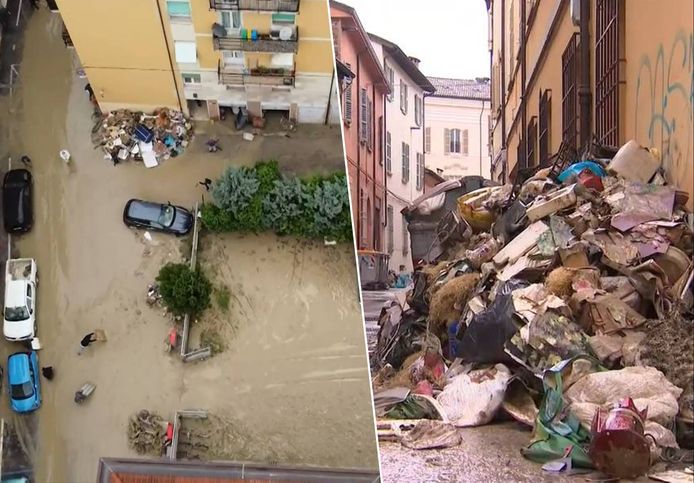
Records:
x=286, y=33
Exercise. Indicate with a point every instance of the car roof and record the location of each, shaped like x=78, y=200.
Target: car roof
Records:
x=14, y=175
x=16, y=293
x=144, y=210
x=18, y=367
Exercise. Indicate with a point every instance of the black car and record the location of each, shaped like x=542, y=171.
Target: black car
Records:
x=156, y=216
x=17, y=206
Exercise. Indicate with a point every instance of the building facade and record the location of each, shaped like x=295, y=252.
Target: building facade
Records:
x=403, y=144
x=362, y=98
x=456, y=138
x=605, y=71
x=209, y=54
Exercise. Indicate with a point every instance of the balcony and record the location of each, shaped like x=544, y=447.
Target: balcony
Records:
x=272, y=42
x=256, y=5
x=259, y=76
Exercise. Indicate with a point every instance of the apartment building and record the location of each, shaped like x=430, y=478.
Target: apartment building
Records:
x=403, y=141
x=209, y=54
x=578, y=71
x=456, y=137
x=363, y=90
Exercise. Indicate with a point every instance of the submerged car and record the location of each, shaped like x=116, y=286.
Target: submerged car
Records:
x=156, y=216
x=17, y=206
x=23, y=381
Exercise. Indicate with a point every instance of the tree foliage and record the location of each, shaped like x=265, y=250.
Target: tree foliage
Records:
x=184, y=291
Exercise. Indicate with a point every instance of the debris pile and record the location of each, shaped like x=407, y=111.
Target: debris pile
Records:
x=147, y=138
x=146, y=433
x=563, y=302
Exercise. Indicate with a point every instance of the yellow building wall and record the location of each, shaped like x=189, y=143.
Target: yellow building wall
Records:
x=314, y=19
x=202, y=16
x=659, y=68
x=315, y=56
x=130, y=70
x=258, y=21
x=208, y=58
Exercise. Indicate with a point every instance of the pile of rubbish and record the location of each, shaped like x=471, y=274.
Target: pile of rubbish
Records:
x=147, y=433
x=147, y=138
x=564, y=302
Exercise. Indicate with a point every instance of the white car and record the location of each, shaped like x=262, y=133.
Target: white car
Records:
x=20, y=299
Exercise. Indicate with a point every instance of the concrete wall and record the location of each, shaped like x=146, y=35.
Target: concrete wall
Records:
x=364, y=166
x=464, y=114
x=126, y=62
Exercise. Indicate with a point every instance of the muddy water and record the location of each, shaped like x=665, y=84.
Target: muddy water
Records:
x=295, y=370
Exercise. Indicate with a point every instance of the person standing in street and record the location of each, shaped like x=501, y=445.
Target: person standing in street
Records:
x=207, y=183
x=86, y=340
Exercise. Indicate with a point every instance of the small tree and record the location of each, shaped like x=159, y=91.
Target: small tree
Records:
x=235, y=189
x=184, y=291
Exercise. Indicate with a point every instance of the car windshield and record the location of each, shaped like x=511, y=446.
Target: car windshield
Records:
x=21, y=391
x=16, y=314
x=166, y=216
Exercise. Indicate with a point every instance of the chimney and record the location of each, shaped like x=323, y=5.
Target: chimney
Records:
x=415, y=61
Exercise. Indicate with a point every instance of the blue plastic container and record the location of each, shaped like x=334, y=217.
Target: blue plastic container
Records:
x=576, y=168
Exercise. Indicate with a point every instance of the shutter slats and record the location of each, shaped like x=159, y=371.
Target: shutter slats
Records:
x=446, y=141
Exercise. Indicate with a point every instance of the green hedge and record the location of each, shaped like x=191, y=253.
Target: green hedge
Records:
x=260, y=199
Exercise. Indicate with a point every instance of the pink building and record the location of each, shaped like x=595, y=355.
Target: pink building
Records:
x=363, y=91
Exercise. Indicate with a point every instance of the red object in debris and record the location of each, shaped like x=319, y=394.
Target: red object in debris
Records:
x=618, y=446
x=172, y=337
x=424, y=387
x=169, y=432
x=590, y=180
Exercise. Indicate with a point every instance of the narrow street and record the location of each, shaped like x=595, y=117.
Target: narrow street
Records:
x=279, y=397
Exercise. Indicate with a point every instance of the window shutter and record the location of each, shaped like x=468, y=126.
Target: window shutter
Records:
x=369, y=124
x=446, y=141
x=406, y=98
x=465, y=143
x=348, y=104
x=388, y=153
x=363, y=120
x=427, y=140
x=405, y=237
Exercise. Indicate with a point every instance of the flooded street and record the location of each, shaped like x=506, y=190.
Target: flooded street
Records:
x=293, y=382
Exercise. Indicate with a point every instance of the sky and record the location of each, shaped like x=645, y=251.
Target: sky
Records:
x=448, y=36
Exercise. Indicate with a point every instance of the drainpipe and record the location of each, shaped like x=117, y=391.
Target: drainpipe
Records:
x=481, y=113
x=359, y=200
x=377, y=223
x=330, y=98
x=168, y=52
x=503, y=74
x=383, y=155
x=584, y=93
x=424, y=135
x=524, y=107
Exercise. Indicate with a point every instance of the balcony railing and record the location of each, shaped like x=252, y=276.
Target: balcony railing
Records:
x=261, y=76
x=256, y=5
x=265, y=42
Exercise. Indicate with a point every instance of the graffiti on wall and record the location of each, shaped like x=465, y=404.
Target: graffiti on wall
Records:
x=664, y=106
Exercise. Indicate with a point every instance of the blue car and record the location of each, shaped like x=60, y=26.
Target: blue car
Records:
x=23, y=379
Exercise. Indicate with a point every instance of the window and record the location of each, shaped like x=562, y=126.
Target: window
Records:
x=452, y=141
x=363, y=113
x=191, y=78
x=178, y=9
x=377, y=224
x=405, y=237
x=608, y=46
x=390, y=75
x=420, y=171
x=389, y=167
x=403, y=96
x=531, y=142
x=348, y=103
x=417, y=110
x=283, y=18
x=405, y=163
x=545, y=125
x=231, y=20
x=363, y=235
x=185, y=52
x=389, y=221
x=465, y=143
x=427, y=140
x=569, y=92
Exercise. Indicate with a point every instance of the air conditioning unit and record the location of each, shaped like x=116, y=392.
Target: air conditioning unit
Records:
x=275, y=34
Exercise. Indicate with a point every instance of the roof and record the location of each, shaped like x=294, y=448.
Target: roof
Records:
x=476, y=89
x=18, y=367
x=116, y=470
x=365, y=38
x=404, y=62
x=343, y=70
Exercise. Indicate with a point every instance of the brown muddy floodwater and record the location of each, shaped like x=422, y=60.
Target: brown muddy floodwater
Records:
x=292, y=385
